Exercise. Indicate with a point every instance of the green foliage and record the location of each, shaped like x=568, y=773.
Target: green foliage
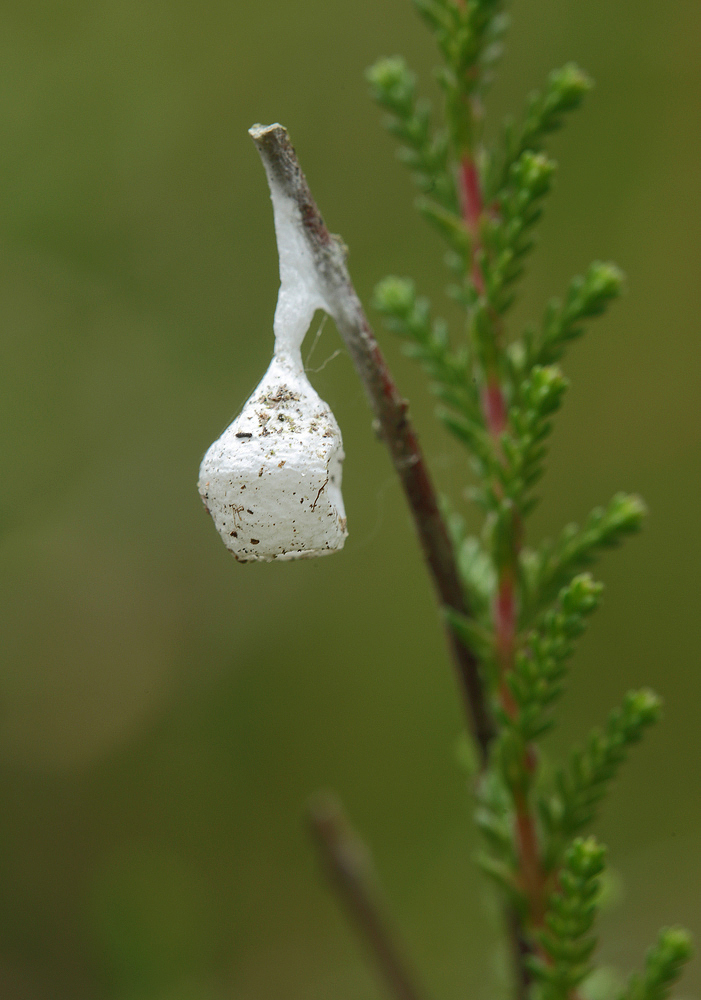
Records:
x=469, y=39
x=564, y=91
x=554, y=564
x=566, y=940
x=587, y=297
x=494, y=819
x=524, y=451
x=497, y=392
x=663, y=965
x=583, y=783
x=538, y=677
x=426, y=154
x=474, y=636
x=506, y=231
x=478, y=576
x=427, y=342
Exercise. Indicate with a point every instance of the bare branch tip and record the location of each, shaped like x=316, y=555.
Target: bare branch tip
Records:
x=258, y=132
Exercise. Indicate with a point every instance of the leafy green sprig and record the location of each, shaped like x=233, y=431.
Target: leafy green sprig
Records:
x=663, y=966
x=541, y=664
x=427, y=341
x=564, y=91
x=581, y=785
x=566, y=939
x=469, y=37
x=587, y=297
x=554, y=564
x=506, y=228
x=422, y=150
x=498, y=393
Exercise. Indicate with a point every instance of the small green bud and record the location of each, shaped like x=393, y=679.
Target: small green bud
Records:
x=662, y=966
x=544, y=389
x=625, y=513
x=582, y=596
x=585, y=858
x=675, y=943
x=392, y=80
x=603, y=281
x=643, y=706
x=589, y=295
x=533, y=172
x=395, y=296
x=567, y=87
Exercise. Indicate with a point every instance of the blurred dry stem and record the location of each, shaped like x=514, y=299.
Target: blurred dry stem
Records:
x=390, y=409
x=347, y=863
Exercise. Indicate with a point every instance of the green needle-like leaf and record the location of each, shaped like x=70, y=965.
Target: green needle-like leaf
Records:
x=571, y=912
x=663, y=966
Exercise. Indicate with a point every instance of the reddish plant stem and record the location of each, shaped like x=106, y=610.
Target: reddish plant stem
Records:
x=525, y=830
x=505, y=609
x=472, y=208
x=526, y=836
x=493, y=401
x=529, y=857
x=494, y=407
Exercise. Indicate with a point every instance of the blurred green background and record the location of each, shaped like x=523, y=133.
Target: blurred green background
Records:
x=164, y=711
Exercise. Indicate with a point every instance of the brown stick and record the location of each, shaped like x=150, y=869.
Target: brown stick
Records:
x=390, y=409
x=348, y=867
x=520, y=951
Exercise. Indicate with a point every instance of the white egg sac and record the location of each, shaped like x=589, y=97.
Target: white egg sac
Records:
x=272, y=481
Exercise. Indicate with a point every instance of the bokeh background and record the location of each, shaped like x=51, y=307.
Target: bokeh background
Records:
x=164, y=711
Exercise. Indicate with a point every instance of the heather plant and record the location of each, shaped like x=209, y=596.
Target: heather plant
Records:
x=513, y=608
